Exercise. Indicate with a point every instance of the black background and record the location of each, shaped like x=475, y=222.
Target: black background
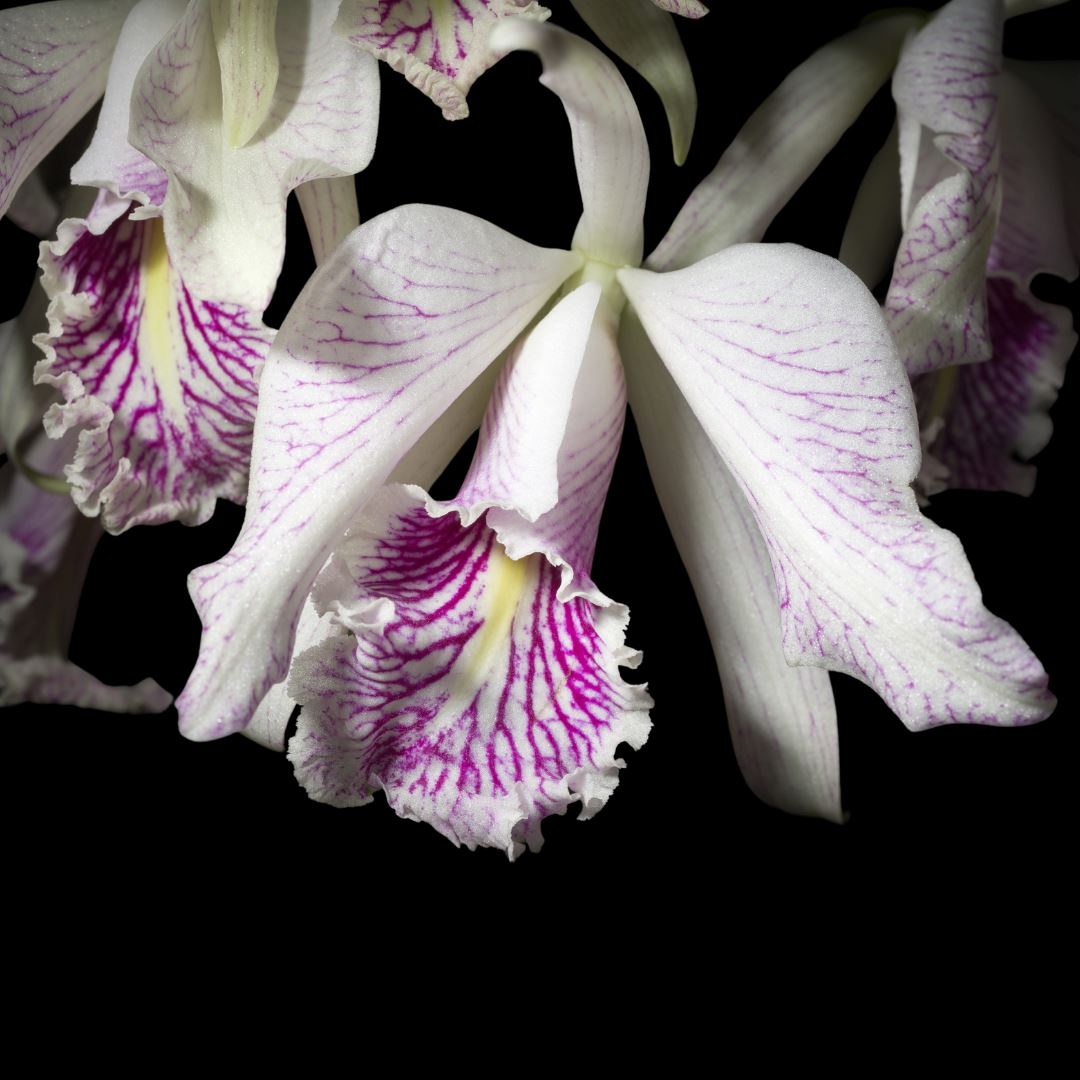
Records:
x=122, y=811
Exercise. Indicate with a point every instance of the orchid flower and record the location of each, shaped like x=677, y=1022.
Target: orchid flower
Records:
x=154, y=335
x=988, y=178
x=155, y=338
x=781, y=434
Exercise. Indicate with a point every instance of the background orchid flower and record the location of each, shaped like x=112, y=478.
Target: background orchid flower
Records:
x=155, y=338
x=988, y=201
x=789, y=394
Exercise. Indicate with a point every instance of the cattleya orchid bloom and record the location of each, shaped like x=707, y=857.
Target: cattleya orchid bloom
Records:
x=154, y=334
x=458, y=654
x=988, y=179
x=155, y=338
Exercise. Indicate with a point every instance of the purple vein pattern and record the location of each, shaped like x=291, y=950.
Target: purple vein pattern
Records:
x=788, y=365
x=392, y=327
x=945, y=88
x=164, y=385
x=45, y=549
x=54, y=59
x=782, y=718
x=478, y=700
x=479, y=686
x=440, y=47
x=225, y=207
x=993, y=416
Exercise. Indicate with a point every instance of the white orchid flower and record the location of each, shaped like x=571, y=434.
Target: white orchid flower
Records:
x=778, y=418
x=213, y=112
x=989, y=168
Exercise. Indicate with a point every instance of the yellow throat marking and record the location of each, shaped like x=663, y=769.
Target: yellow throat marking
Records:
x=159, y=329
x=504, y=587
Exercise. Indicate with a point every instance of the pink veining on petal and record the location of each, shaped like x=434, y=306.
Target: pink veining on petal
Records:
x=786, y=361
x=391, y=329
x=54, y=59
x=441, y=48
x=995, y=413
x=476, y=699
x=164, y=385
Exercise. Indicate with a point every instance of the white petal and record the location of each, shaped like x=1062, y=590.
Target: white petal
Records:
x=386, y=335
x=782, y=143
x=442, y=49
x=244, y=36
x=782, y=719
x=161, y=386
x=225, y=208
x=873, y=228
x=468, y=691
x=330, y=212
x=646, y=39
x=33, y=208
x=785, y=359
x=946, y=91
x=54, y=59
x=1058, y=87
x=610, y=149
x=271, y=718
x=690, y=9
x=110, y=161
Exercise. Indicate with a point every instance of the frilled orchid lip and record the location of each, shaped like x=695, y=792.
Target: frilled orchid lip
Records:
x=987, y=203
x=162, y=385
x=478, y=682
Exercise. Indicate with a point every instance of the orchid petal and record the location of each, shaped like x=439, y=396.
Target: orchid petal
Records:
x=330, y=212
x=475, y=698
x=421, y=465
x=225, y=208
x=782, y=143
x=110, y=161
x=992, y=414
x=248, y=62
x=476, y=688
x=787, y=363
x=162, y=384
x=45, y=549
x=21, y=403
x=391, y=328
x=1032, y=236
x=690, y=9
x=646, y=39
x=271, y=719
x=1023, y=7
x=946, y=97
x=782, y=719
x=1058, y=87
x=873, y=227
x=549, y=441
x=33, y=208
x=610, y=150
x=442, y=49
x=54, y=59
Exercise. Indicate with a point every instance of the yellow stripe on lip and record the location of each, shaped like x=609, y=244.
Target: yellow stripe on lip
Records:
x=159, y=328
